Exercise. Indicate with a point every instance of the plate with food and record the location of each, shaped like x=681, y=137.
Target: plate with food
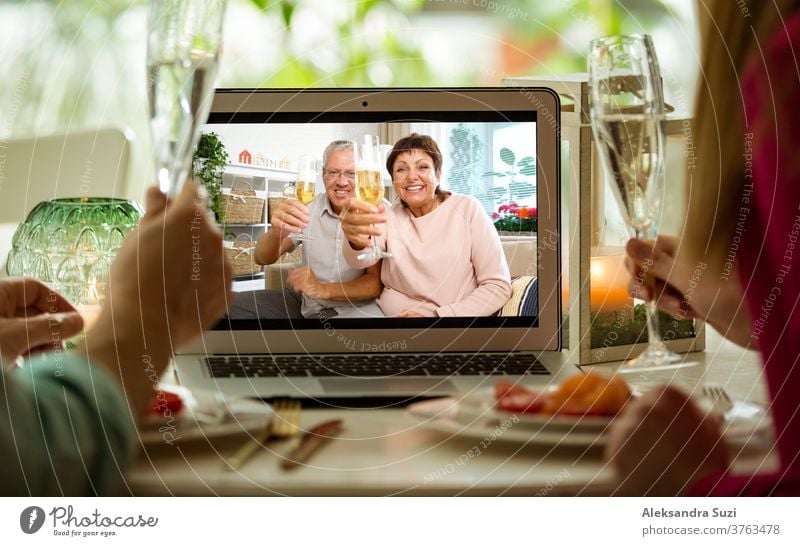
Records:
x=585, y=402
x=575, y=413
x=177, y=415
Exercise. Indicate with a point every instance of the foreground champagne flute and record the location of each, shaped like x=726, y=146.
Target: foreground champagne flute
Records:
x=304, y=188
x=369, y=184
x=182, y=55
x=627, y=108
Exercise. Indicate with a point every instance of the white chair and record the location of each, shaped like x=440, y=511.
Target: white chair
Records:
x=86, y=163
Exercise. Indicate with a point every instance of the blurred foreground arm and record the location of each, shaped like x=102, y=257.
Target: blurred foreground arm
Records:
x=663, y=443
x=67, y=426
x=169, y=282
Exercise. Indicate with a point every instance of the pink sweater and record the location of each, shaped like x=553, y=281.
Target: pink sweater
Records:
x=769, y=257
x=447, y=263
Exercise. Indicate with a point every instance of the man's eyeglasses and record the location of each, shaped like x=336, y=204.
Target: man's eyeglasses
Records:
x=334, y=175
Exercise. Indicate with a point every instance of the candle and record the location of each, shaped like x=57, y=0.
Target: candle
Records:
x=609, y=285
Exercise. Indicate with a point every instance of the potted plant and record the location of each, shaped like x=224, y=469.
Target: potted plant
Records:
x=511, y=219
x=209, y=163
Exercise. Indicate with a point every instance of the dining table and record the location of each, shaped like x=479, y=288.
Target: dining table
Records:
x=397, y=451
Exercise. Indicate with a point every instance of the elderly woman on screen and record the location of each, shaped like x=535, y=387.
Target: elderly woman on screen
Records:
x=447, y=259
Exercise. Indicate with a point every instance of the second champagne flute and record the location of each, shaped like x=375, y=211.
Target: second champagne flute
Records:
x=183, y=43
x=369, y=184
x=627, y=108
x=304, y=187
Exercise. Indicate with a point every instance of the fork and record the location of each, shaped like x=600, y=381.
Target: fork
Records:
x=721, y=401
x=283, y=424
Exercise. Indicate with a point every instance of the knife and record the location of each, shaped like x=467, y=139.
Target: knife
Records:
x=314, y=440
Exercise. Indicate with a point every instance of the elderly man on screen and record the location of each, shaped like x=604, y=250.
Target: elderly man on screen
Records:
x=325, y=286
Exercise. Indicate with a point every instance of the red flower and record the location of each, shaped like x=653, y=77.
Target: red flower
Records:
x=533, y=213
x=495, y=216
x=503, y=208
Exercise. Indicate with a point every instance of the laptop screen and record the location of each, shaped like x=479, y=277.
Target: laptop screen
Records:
x=463, y=254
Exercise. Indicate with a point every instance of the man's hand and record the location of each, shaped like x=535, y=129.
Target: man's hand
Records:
x=303, y=281
x=291, y=216
x=33, y=317
x=662, y=443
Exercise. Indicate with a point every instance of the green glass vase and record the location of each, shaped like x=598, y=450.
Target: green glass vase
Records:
x=69, y=244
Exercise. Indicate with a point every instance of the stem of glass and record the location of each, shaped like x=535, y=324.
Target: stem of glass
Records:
x=653, y=327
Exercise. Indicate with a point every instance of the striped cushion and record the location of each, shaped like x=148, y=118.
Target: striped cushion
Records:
x=524, y=300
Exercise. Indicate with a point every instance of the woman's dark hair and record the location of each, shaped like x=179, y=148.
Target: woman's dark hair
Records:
x=415, y=141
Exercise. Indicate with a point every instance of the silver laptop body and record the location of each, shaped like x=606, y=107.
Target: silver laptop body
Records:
x=336, y=343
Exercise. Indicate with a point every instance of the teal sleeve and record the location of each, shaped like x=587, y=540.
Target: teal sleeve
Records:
x=65, y=429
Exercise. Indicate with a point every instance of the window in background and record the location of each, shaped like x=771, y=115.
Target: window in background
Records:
x=493, y=162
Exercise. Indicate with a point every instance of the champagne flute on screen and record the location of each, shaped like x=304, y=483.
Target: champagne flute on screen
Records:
x=626, y=110
x=183, y=41
x=304, y=187
x=369, y=184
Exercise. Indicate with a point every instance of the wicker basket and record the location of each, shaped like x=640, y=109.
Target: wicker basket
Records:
x=242, y=256
x=241, y=206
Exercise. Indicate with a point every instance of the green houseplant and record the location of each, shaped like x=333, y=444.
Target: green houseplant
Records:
x=210, y=159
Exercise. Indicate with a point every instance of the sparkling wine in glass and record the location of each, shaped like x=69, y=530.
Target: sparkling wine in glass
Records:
x=626, y=110
x=304, y=188
x=369, y=184
x=183, y=43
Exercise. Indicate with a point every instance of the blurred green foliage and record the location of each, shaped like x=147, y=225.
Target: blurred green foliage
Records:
x=79, y=62
x=362, y=58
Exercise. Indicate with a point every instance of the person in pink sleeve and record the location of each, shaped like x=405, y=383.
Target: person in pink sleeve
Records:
x=744, y=230
x=447, y=259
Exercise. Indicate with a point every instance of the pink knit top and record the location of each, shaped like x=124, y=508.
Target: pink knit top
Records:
x=447, y=263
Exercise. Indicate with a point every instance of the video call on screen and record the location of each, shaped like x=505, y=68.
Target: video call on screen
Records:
x=494, y=162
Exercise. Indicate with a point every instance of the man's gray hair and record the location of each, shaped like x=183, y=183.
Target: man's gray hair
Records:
x=335, y=146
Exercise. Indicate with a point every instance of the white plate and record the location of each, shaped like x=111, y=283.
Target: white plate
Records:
x=443, y=415
x=204, y=417
x=470, y=419
x=479, y=406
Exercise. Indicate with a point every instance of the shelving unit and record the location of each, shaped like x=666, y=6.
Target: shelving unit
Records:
x=266, y=181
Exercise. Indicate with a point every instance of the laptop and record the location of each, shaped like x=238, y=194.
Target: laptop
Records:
x=499, y=145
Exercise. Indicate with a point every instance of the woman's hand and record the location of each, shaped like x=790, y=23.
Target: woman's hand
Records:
x=33, y=317
x=686, y=290
x=291, y=216
x=407, y=313
x=662, y=443
x=358, y=222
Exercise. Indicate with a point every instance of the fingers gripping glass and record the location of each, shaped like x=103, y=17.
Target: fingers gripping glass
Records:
x=626, y=111
x=369, y=185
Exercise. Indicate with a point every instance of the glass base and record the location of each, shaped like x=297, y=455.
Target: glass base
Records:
x=655, y=358
x=373, y=254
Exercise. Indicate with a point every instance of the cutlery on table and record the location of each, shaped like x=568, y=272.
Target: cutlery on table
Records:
x=314, y=440
x=720, y=400
x=284, y=423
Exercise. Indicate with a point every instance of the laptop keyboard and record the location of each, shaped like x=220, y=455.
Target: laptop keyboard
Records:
x=374, y=365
